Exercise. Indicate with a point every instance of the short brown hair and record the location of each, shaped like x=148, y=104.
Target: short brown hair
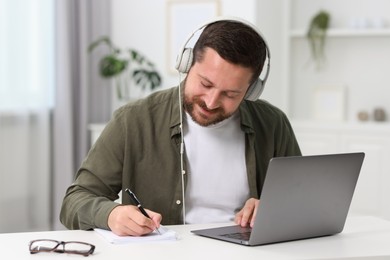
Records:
x=235, y=42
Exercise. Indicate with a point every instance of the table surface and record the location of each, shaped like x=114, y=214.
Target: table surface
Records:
x=364, y=237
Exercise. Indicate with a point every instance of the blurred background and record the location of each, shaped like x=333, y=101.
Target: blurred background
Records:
x=54, y=99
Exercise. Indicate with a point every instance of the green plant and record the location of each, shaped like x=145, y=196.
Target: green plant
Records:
x=125, y=66
x=317, y=35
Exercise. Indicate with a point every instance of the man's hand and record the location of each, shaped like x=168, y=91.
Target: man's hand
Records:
x=247, y=214
x=127, y=220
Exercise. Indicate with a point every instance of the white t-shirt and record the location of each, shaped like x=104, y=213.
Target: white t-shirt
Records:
x=217, y=180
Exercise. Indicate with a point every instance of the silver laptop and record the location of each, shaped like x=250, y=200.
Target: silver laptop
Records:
x=303, y=197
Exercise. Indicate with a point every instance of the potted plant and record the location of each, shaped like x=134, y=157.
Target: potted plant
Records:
x=126, y=66
x=317, y=35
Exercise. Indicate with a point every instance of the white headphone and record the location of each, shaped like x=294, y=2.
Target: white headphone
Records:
x=183, y=65
x=185, y=57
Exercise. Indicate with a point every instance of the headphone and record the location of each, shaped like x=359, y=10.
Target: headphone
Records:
x=185, y=57
x=183, y=65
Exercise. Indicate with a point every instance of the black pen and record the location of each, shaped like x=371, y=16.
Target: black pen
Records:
x=138, y=203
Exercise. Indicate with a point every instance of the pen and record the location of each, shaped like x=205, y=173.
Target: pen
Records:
x=138, y=203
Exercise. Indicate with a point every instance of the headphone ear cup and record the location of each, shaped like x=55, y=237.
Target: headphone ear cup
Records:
x=184, y=61
x=254, y=90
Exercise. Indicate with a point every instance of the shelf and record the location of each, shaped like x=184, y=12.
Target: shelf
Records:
x=385, y=32
x=357, y=57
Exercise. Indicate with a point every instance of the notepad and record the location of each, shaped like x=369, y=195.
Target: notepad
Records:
x=166, y=235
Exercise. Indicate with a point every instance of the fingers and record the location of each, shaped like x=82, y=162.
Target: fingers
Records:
x=126, y=220
x=247, y=214
x=155, y=217
x=254, y=213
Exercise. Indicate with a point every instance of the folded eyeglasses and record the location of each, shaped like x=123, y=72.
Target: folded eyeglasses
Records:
x=69, y=247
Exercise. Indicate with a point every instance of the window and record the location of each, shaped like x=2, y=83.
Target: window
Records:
x=26, y=100
x=27, y=54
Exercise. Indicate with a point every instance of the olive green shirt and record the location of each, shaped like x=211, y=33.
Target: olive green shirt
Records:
x=140, y=149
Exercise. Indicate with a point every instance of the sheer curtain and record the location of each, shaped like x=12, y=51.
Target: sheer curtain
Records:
x=82, y=97
x=48, y=96
x=26, y=100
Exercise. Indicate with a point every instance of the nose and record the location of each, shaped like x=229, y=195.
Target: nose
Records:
x=212, y=99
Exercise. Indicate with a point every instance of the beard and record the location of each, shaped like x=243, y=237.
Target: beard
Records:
x=212, y=117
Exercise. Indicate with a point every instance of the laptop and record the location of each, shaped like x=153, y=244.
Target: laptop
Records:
x=302, y=197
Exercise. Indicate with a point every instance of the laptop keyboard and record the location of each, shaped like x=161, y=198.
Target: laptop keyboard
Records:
x=239, y=235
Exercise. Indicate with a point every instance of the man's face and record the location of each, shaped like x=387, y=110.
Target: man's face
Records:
x=214, y=88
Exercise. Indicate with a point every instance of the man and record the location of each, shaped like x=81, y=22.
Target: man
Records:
x=228, y=139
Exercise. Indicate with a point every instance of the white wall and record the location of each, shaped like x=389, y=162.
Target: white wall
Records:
x=143, y=25
x=358, y=61
x=269, y=19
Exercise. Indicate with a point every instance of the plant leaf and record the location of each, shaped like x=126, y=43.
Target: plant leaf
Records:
x=111, y=66
x=103, y=39
x=317, y=34
x=146, y=78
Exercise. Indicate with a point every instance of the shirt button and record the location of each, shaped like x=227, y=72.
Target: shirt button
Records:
x=178, y=202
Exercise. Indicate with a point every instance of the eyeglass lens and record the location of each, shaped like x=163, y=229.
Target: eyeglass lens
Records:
x=72, y=247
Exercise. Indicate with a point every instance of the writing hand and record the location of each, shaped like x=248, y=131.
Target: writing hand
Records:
x=127, y=220
x=247, y=214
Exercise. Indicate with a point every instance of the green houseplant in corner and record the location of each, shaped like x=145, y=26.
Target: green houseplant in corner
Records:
x=316, y=35
x=126, y=66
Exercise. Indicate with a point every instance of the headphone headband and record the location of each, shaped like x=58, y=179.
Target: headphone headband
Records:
x=185, y=57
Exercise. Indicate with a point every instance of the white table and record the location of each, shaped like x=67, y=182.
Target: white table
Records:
x=364, y=237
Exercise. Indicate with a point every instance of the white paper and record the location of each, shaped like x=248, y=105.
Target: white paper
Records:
x=166, y=234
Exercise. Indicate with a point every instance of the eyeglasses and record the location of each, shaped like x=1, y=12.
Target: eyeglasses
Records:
x=70, y=247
